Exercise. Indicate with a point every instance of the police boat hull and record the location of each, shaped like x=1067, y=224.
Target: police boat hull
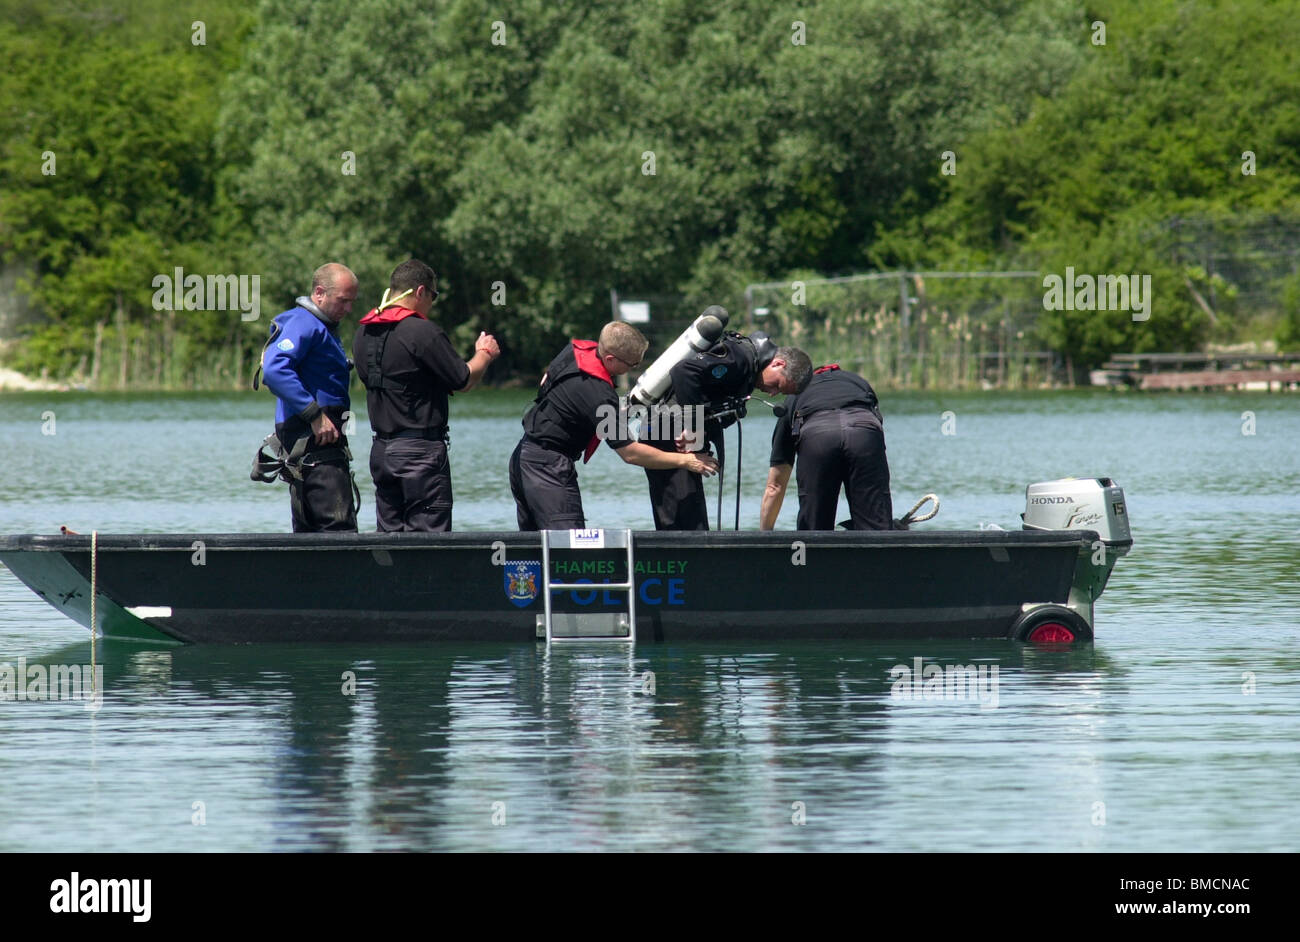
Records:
x=488, y=586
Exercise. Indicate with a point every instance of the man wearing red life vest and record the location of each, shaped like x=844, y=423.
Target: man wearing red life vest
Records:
x=575, y=408
x=409, y=368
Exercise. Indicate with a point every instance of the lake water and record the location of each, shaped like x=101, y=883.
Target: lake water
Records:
x=1179, y=729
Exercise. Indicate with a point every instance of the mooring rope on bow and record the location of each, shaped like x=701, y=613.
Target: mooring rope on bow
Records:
x=94, y=592
x=908, y=519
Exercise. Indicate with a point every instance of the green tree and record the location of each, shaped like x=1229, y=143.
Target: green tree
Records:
x=1154, y=128
x=106, y=153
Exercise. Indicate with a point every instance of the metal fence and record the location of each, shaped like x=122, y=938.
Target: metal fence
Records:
x=903, y=329
x=915, y=329
x=1237, y=266
x=980, y=329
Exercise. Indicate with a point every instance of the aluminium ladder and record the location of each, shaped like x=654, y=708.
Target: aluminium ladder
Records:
x=588, y=626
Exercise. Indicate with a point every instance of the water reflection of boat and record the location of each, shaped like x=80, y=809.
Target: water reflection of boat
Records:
x=1037, y=584
x=418, y=751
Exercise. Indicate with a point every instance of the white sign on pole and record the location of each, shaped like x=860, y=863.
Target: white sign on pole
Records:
x=634, y=312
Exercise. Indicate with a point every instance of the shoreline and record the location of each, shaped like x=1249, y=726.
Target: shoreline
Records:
x=13, y=381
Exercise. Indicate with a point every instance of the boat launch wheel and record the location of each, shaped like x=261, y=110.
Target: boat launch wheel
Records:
x=1051, y=624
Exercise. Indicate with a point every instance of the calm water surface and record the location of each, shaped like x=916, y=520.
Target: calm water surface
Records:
x=1179, y=729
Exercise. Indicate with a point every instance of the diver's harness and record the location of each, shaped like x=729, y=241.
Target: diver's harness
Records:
x=272, y=463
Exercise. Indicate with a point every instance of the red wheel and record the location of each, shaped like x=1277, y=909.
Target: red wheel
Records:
x=1051, y=624
x=1051, y=632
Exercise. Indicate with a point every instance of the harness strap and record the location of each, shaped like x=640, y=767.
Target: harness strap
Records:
x=375, y=348
x=386, y=301
x=257, y=373
x=272, y=462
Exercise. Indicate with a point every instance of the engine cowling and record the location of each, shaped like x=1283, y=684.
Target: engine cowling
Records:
x=1078, y=504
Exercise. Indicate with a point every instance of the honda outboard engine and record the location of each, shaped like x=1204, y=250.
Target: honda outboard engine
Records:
x=1078, y=504
x=1075, y=504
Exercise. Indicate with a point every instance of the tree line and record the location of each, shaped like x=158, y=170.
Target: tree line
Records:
x=539, y=156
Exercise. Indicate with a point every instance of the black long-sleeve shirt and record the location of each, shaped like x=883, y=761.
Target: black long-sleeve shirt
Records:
x=420, y=368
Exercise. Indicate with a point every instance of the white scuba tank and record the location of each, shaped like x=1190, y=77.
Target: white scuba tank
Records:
x=703, y=333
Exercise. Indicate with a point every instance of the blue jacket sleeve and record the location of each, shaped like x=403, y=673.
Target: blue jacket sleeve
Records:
x=280, y=367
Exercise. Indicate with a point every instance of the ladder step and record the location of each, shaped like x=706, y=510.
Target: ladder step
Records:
x=586, y=626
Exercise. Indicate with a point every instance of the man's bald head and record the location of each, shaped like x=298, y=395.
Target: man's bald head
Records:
x=328, y=276
x=334, y=289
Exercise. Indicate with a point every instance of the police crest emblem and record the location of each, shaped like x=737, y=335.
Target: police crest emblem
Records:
x=522, y=577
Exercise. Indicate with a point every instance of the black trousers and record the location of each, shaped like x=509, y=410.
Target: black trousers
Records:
x=323, y=500
x=677, y=496
x=412, y=485
x=843, y=448
x=545, y=485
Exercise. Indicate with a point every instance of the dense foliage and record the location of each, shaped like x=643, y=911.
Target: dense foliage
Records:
x=543, y=154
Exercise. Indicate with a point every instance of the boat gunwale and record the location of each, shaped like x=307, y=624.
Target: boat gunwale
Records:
x=462, y=540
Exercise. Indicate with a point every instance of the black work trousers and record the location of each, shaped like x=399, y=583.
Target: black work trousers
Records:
x=545, y=486
x=843, y=448
x=677, y=496
x=412, y=485
x=323, y=501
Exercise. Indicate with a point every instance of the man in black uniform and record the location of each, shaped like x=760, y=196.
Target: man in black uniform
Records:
x=836, y=430
x=409, y=367
x=575, y=408
x=721, y=376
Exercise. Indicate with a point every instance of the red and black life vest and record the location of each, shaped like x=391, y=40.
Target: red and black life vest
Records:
x=581, y=357
x=374, y=378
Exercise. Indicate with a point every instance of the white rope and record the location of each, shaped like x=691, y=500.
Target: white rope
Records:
x=908, y=517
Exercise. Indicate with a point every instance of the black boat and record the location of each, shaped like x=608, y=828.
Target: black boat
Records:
x=1036, y=584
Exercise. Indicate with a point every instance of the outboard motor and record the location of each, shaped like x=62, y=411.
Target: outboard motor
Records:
x=1079, y=504
x=700, y=336
x=1074, y=504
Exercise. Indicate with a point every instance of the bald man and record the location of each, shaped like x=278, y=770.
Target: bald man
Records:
x=305, y=365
